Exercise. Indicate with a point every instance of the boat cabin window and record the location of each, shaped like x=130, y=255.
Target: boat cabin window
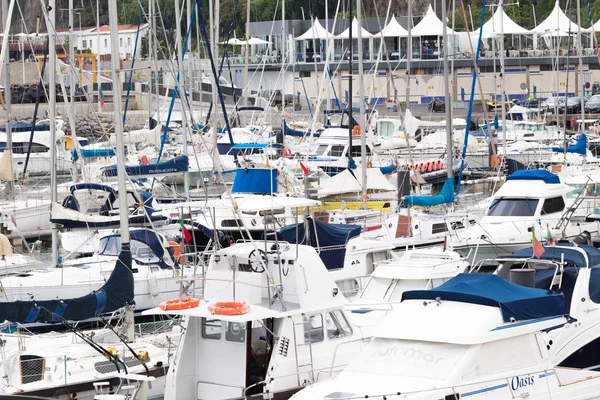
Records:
x=586, y=357
x=232, y=223
x=513, y=207
x=322, y=149
x=553, y=205
x=337, y=150
x=236, y=332
x=439, y=228
x=591, y=189
x=337, y=325
x=386, y=129
x=313, y=329
x=385, y=289
x=211, y=329
x=356, y=151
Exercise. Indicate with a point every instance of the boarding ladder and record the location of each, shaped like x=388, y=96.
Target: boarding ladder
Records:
x=308, y=367
x=566, y=217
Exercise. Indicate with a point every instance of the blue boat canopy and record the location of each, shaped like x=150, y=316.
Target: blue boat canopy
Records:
x=92, y=186
x=446, y=196
x=516, y=302
x=330, y=239
x=254, y=145
x=173, y=166
x=578, y=148
x=566, y=251
x=257, y=181
x=26, y=127
x=116, y=293
x=534, y=175
x=388, y=169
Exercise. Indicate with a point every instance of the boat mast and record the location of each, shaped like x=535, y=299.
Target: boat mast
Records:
x=118, y=113
x=350, y=79
x=52, y=111
x=72, y=79
x=502, y=78
x=184, y=119
x=448, y=107
x=361, y=102
x=581, y=88
x=7, y=96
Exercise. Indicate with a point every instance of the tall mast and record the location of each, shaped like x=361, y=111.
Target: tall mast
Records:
x=72, y=79
x=245, y=91
x=408, y=58
x=181, y=83
x=52, y=111
x=361, y=102
x=7, y=95
x=581, y=89
x=118, y=119
x=449, y=150
x=502, y=78
x=350, y=78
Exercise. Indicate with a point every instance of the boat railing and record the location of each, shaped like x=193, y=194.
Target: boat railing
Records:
x=525, y=264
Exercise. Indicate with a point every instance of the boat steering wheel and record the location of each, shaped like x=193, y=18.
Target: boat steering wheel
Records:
x=257, y=256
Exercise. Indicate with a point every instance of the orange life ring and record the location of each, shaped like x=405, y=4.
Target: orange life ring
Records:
x=144, y=160
x=179, y=304
x=229, y=308
x=286, y=152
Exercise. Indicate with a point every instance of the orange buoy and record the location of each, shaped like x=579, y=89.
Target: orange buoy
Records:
x=179, y=304
x=176, y=251
x=229, y=308
x=144, y=160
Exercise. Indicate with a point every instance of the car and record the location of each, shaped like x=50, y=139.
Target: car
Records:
x=572, y=106
x=593, y=105
x=493, y=106
x=437, y=106
x=550, y=104
x=595, y=88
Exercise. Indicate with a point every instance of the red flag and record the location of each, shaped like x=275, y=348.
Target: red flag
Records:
x=538, y=249
x=187, y=236
x=304, y=169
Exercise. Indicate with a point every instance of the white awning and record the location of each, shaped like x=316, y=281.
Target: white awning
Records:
x=316, y=31
x=491, y=29
x=346, y=33
x=430, y=25
x=392, y=29
x=556, y=21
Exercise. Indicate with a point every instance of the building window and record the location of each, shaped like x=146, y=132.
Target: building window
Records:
x=105, y=43
x=128, y=41
x=91, y=45
x=120, y=41
x=84, y=44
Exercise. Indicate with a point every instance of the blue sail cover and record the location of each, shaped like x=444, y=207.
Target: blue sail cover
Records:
x=534, y=175
x=564, y=251
x=578, y=148
x=116, y=293
x=387, y=169
x=446, y=196
x=257, y=181
x=287, y=131
x=174, y=166
x=516, y=302
x=514, y=166
x=328, y=239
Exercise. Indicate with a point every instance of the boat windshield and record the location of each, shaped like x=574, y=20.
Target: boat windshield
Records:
x=409, y=358
x=513, y=207
x=385, y=289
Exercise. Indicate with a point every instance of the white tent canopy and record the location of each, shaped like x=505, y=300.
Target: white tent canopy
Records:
x=430, y=25
x=315, y=32
x=256, y=41
x=392, y=29
x=596, y=27
x=556, y=21
x=345, y=34
x=491, y=29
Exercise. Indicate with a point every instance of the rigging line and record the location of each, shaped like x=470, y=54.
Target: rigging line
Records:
x=137, y=36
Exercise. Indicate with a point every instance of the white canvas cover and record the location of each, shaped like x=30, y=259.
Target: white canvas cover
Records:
x=430, y=25
x=6, y=166
x=345, y=34
x=392, y=29
x=557, y=21
x=315, y=32
x=345, y=182
x=491, y=29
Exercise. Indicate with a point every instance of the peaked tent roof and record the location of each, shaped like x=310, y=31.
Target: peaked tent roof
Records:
x=556, y=21
x=430, y=25
x=345, y=34
x=491, y=28
x=316, y=31
x=392, y=29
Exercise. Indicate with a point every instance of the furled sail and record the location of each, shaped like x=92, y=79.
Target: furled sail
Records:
x=446, y=196
x=6, y=166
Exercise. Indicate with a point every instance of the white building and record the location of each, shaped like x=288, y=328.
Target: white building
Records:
x=98, y=41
